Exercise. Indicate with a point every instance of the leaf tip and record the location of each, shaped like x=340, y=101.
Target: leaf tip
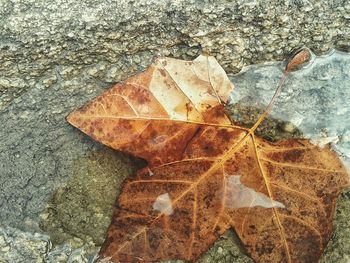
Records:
x=72, y=119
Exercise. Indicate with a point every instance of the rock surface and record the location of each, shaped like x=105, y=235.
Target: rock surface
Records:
x=43, y=42
x=58, y=186
x=18, y=246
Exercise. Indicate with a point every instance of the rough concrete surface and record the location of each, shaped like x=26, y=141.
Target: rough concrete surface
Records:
x=57, y=186
x=38, y=38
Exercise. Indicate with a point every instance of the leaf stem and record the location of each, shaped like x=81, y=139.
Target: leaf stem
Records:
x=296, y=59
x=269, y=106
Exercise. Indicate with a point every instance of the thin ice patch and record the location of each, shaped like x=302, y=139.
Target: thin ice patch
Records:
x=163, y=204
x=240, y=196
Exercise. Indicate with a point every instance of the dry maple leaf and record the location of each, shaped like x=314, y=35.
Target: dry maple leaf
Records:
x=206, y=175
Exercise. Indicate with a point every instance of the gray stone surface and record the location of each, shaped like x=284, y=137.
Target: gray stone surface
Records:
x=40, y=38
x=38, y=149
x=43, y=160
x=18, y=246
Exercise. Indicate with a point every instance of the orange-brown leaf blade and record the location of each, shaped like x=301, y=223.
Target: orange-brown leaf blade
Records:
x=158, y=101
x=180, y=210
x=206, y=175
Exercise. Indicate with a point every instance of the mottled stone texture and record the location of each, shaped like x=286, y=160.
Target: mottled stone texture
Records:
x=43, y=41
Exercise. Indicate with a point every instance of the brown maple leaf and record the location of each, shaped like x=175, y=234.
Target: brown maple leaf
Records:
x=206, y=175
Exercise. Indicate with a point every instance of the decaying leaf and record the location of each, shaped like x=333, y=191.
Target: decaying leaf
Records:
x=206, y=175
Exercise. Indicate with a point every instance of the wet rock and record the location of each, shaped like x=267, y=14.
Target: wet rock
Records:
x=271, y=129
x=338, y=249
x=17, y=246
x=83, y=206
x=227, y=249
x=20, y=246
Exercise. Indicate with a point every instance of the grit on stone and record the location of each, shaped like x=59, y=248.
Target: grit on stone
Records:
x=116, y=38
